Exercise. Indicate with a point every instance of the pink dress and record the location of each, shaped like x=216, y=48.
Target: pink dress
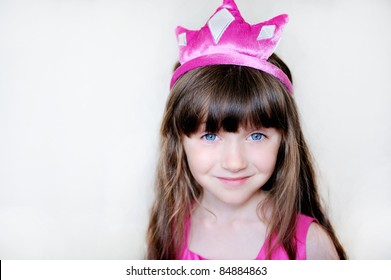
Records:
x=303, y=223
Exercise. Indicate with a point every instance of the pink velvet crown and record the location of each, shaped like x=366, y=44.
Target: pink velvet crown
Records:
x=227, y=39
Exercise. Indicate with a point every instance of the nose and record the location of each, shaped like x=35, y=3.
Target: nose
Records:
x=233, y=157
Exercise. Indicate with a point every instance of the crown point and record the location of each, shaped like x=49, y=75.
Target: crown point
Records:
x=231, y=4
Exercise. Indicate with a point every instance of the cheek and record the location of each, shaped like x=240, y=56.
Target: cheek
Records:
x=199, y=160
x=265, y=161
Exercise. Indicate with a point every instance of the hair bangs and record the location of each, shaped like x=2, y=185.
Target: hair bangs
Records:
x=229, y=98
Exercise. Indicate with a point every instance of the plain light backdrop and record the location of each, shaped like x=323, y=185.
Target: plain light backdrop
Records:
x=83, y=85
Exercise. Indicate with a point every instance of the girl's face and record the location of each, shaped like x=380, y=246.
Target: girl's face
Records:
x=232, y=167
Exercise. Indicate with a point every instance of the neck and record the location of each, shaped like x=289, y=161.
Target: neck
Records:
x=222, y=213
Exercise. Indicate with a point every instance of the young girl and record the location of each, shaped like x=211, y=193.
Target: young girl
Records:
x=235, y=178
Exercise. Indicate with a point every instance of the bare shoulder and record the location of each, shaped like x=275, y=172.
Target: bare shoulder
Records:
x=319, y=244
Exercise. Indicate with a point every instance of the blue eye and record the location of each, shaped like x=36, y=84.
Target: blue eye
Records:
x=257, y=136
x=210, y=137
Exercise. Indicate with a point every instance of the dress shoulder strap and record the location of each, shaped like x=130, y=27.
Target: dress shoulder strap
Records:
x=303, y=224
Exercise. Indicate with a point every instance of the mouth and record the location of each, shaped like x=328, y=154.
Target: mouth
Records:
x=232, y=181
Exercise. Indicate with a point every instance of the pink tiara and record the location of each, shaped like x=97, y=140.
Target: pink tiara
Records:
x=228, y=39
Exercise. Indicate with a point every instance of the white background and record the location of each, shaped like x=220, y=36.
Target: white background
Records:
x=82, y=90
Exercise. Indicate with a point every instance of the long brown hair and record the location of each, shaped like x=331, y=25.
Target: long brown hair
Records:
x=227, y=97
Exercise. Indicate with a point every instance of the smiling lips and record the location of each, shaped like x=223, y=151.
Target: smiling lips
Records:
x=234, y=181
